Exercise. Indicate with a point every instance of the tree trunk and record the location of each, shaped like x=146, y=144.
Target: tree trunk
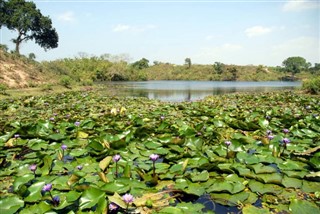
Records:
x=17, y=46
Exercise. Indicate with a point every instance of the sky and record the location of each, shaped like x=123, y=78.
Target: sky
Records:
x=260, y=32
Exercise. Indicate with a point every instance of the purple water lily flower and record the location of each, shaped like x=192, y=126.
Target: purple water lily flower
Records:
x=113, y=206
x=286, y=131
x=285, y=140
x=33, y=167
x=154, y=157
x=127, y=198
x=64, y=147
x=47, y=188
x=270, y=137
x=79, y=167
x=227, y=143
x=56, y=200
x=51, y=118
x=16, y=136
x=77, y=123
x=116, y=158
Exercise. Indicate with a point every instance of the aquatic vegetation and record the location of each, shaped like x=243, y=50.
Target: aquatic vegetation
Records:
x=191, y=157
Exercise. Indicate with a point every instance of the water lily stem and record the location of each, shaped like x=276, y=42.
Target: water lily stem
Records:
x=116, y=169
x=154, y=169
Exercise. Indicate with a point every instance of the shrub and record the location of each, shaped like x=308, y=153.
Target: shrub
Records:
x=46, y=87
x=3, y=89
x=65, y=81
x=312, y=86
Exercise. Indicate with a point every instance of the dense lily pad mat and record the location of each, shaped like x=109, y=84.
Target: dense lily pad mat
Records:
x=256, y=152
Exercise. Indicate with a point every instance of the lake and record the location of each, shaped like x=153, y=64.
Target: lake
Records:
x=177, y=91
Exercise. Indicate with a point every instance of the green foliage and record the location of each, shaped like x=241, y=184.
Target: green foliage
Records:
x=4, y=47
x=32, y=56
x=195, y=172
x=312, y=86
x=65, y=81
x=141, y=64
x=187, y=62
x=23, y=17
x=295, y=64
x=3, y=89
x=47, y=87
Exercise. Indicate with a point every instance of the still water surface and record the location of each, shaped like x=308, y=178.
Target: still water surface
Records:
x=178, y=91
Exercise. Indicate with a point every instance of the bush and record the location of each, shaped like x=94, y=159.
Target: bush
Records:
x=3, y=89
x=312, y=86
x=65, y=81
x=47, y=87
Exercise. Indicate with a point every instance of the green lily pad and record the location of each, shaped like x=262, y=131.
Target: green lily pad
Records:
x=35, y=192
x=11, y=204
x=261, y=188
x=301, y=206
x=42, y=207
x=22, y=180
x=90, y=198
x=250, y=209
x=291, y=182
x=116, y=186
x=226, y=186
x=310, y=186
x=229, y=199
x=262, y=169
x=273, y=178
x=203, y=176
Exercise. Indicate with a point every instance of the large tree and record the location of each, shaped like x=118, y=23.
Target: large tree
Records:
x=30, y=24
x=295, y=64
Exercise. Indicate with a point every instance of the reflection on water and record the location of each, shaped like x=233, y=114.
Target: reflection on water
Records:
x=178, y=91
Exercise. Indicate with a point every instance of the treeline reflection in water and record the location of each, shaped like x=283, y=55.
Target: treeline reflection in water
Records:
x=178, y=91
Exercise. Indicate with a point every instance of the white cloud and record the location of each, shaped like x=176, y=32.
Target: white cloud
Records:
x=300, y=5
x=120, y=27
x=67, y=16
x=307, y=47
x=131, y=28
x=257, y=31
x=230, y=47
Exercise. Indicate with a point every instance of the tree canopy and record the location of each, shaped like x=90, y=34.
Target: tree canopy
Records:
x=141, y=64
x=295, y=64
x=27, y=20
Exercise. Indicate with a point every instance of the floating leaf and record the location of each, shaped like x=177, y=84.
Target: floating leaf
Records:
x=34, y=192
x=250, y=209
x=10, y=205
x=302, y=206
x=90, y=198
x=103, y=164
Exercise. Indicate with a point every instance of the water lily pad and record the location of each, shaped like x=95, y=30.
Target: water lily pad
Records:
x=10, y=205
x=203, y=176
x=90, y=198
x=42, y=207
x=226, y=186
x=291, y=182
x=250, y=209
x=302, y=206
x=229, y=199
x=116, y=186
x=273, y=178
x=261, y=188
x=310, y=186
x=261, y=169
x=22, y=180
x=34, y=192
